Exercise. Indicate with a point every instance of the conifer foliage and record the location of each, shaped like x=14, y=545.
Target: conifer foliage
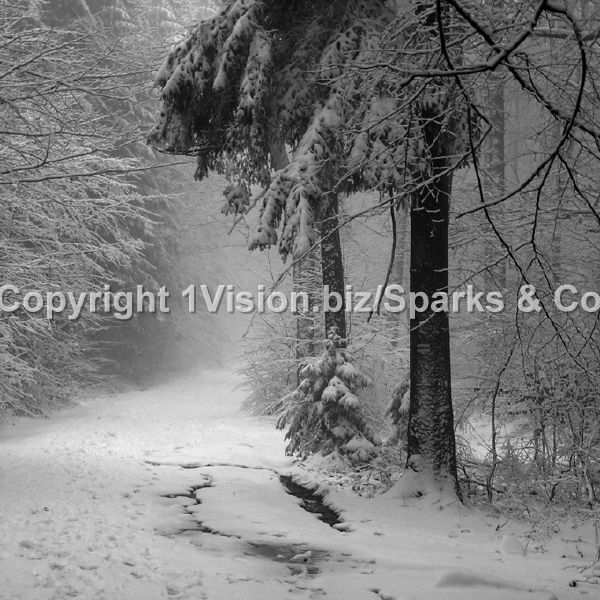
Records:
x=295, y=71
x=324, y=413
x=346, y=85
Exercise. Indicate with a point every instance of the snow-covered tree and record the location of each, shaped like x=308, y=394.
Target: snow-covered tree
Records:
x=323, y=414
x=306, y=73
x=260, y=69
x=385, y=96
x=78, y=206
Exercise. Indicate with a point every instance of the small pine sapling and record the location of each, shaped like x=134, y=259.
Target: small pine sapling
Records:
x=323, y=414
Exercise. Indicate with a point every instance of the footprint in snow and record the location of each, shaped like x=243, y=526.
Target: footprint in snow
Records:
x=176, y=588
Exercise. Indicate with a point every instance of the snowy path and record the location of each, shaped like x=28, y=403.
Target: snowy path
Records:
x=170, y=493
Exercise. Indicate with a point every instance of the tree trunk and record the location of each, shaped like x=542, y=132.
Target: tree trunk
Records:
x=332, y=265
x=402, y=244
x=398, y=274
x=303, y=275
x=431, y=443
x=494, y=182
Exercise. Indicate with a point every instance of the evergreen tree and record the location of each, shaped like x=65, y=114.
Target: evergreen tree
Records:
x=323, y=414
x=308, y=68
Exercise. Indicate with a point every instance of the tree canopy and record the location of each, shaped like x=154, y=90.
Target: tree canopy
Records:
x=387, y=96
x=302, y=73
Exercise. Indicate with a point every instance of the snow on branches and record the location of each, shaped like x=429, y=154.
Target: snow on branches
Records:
x=324, y=412
x=300, y=185
x=321, y=78
x=214, y=90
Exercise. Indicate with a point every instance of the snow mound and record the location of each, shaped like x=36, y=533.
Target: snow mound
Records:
x=413, y=485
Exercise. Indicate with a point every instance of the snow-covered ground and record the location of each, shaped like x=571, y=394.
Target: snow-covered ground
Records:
x=171, y=493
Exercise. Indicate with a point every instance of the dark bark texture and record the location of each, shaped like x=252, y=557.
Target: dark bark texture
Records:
x=431, y=444
x=332, y=265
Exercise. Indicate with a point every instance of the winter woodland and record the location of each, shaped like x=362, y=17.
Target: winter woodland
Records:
x=442, y=442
